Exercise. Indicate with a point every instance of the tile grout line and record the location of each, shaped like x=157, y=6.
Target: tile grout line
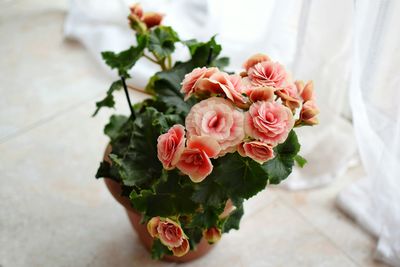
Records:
x=319, y=231
x=45, y=120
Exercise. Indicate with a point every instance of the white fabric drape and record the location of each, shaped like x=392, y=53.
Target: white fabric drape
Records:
x=374, y=92
x=339, y=44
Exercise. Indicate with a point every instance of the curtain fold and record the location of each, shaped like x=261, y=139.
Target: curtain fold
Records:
x=374, y=202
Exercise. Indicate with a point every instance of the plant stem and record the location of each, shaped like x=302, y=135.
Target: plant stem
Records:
x=151, y=59
x=128, y=98
x=169, y=62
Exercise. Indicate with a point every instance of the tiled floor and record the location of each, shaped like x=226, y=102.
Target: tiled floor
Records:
x=54, y=213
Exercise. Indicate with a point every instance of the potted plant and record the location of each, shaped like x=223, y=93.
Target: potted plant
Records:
x=185, y=159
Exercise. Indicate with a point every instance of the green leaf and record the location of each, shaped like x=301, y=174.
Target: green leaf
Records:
x=158, y=250
x=162, y=41
x=105, y=170
x=300, y=161
x=209, y=193
x=206, y=219
x=221, y=63
x=280, y=167
x=200, y=51
x=108, y=101
x=125, y=60
x=194, y=234
x=170, y=197
x=233, y=221
x=114, y=126
x=241, y=177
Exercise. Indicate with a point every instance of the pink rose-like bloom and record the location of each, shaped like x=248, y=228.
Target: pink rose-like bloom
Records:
x=256, y=150
x=216, y=117
x=170, y=146
x=170, y=233
x=268, y=73
x=253, y=60
x=224, y=84
x=269, y=122
x=190, y=82
x=195, y=159
x=290, y=96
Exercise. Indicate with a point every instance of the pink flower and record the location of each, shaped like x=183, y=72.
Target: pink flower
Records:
x=269, y=122
x=152, y=19
x=195, y=159
x=253, y=60
x=152, y=226
x=268, y=73
x=216, y=117
x=170, y=233
x=290, y=96
x=309, y=112
x=190, y=82
x=223, y=84
x=182, y=249
x=306, y=91
x=212, y=235
x=256, y=150
x=170, y=146
x=260, y=94
x=136, y=10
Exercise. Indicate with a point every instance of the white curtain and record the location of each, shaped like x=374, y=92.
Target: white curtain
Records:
x=347, y=47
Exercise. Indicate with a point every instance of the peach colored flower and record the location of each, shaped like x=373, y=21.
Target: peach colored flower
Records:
x=256, y=150
x=152, y=226
x=216, y=117
x=212, y=235
x=269, y=122
x=306, y=91
x=136, y=10
x=220, y=83
x=195, y=159
x=268, y=73
x=170, y=146
x=152, y=19
x=290, y=96
x=170, y=233
x=182, y=249
x=260, y=94
x=190, y=82
x=253, y=60
x=309, y=112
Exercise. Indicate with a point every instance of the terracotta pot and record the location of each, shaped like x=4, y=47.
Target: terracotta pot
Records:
x=134, y=216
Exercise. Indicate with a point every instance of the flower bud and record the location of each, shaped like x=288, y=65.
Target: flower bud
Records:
x=212, y=235
x=136, y=10
x=152, y=226
x=308, y=113
x=306, y=91
x=152, y=19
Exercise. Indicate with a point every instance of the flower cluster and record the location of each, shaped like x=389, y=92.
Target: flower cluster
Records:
x=250, y=113
x=141, y=21
x=170, y=234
